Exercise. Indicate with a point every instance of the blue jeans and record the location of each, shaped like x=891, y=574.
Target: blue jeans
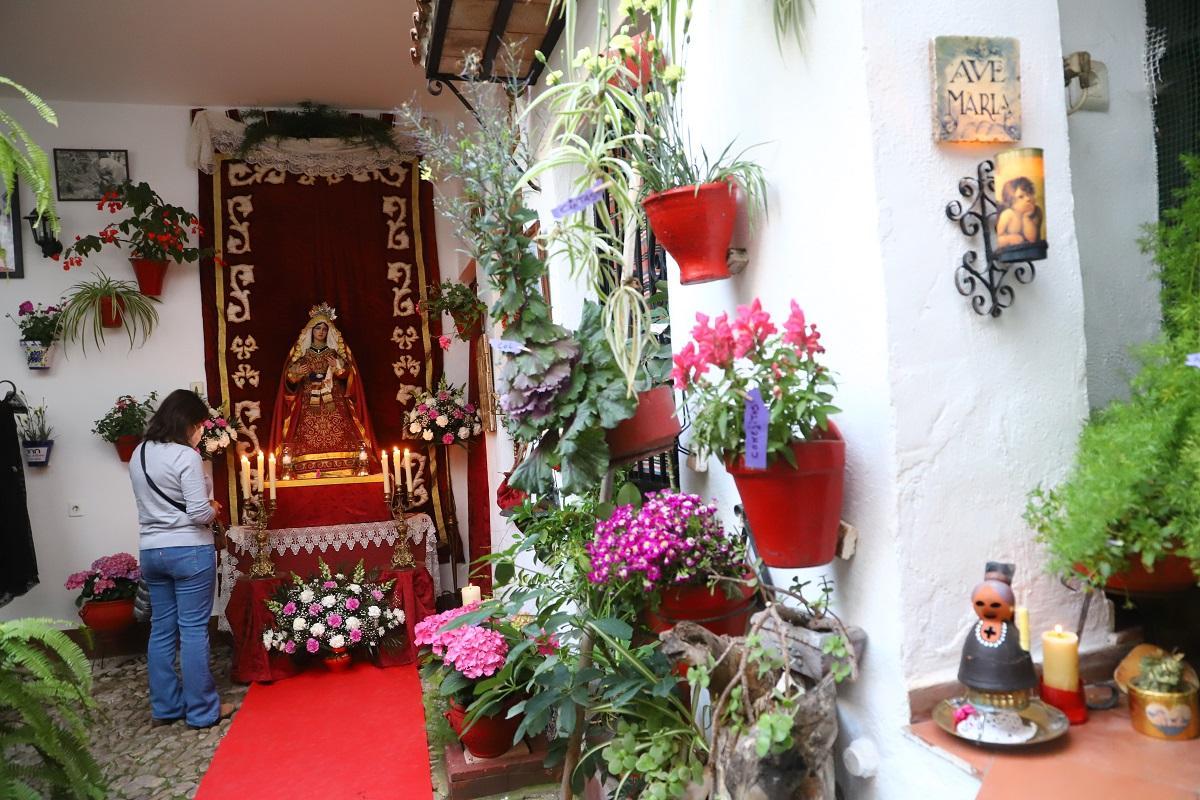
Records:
x=181, y=583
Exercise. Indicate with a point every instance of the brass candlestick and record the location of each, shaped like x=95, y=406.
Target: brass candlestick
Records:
x=258, y=512
x=400, y=503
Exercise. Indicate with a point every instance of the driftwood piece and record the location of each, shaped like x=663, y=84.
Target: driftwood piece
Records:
x=805, y=635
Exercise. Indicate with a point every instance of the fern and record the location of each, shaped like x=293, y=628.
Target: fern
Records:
x=20, y=157
x=46, y=706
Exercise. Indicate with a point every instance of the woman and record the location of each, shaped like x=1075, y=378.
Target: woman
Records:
x=178, y=561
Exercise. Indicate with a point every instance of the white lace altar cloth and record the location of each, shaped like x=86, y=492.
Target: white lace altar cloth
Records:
x=213, y=132
x=420, y=531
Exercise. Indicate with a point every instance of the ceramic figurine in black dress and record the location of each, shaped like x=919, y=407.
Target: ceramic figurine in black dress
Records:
x=992, y=658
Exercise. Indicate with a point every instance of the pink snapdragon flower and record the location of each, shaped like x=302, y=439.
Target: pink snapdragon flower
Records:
x=751, y=328
x=804, y=338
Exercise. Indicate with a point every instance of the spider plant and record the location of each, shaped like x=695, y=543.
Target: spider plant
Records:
x=85, y=309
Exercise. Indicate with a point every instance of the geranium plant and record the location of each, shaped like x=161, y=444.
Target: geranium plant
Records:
x=670, y=539
x=112, y=577
x=726, y=360
x=37, y=323
x=127, y=417
x=155, y=230
x=443, y=416
x=220, y=431
x=459, y=301
x=331, y=613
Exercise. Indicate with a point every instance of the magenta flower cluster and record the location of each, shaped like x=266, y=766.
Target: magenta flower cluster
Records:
x=473, y=650
x=672, y=539
x=110, y=578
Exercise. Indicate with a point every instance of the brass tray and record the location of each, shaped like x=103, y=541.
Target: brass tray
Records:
x=1051, y=723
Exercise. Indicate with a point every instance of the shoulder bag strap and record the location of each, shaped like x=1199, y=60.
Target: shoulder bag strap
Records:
x=154, y=487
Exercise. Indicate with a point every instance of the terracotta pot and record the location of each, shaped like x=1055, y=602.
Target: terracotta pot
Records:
x=338, y=661
x=489, y=737
x=695, y=225
x=1174, y=716
x=794, y=513
x=107, y=615
x=714, y=610
x=468, y=332
x=125, y=446
x=640, y=63
x=150, y=273
x=652, y=428
x=38, y=355
x=37, y=454
x=111, y=311
x=1171, y=574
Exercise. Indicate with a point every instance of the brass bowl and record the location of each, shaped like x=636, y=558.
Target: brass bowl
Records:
x=1173, y=716
x=1051, y=723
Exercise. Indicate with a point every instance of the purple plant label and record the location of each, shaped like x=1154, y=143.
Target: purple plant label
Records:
x=755, y=424
x=580, y=202
x=1193, y=360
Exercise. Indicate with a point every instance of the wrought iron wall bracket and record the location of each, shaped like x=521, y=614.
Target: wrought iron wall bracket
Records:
x=976, y=214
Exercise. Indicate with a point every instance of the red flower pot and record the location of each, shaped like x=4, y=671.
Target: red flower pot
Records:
x=110, y=312
x=695, y=225
x=794, y=513
x=468, y=332
x=712, y=609
x=652, y=428
x=125, y=446
x=107, y=615
x=640, y=63
x=1171, y=574
x=150, y=273
x=337, y=661
x=489, y=737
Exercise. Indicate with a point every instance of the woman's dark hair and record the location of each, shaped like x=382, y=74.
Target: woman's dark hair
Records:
x=173, y=420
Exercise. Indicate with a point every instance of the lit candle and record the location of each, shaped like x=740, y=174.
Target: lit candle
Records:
x=471, y=594
x=245, y=478
x=1060, y=660
x=271, y=474
x=408, y=471
x=386, y=482
x=258, y=479
x=396, y=466
x=1022, y=623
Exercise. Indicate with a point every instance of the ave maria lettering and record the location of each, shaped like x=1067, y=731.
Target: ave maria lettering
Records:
x=977, y=89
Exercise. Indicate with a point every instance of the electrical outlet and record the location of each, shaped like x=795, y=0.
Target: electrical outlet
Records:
x=74, y=510
x=198, y=387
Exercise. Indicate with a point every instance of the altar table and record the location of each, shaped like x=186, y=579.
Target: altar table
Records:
x=249, y=617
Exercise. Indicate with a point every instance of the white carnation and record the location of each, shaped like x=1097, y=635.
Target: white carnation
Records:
x=211, y=445
x=337, y=641
x=317, y=629
x=268, y=637
x=307, y=596
x=427, y=436
x=478, y=428
x=442, y=421
x=353, y=623
x=299, y=624
x=414, y=428
x=328, y=601
x=373, y=612
x=354, y=587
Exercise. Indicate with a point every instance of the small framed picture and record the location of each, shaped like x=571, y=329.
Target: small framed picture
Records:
x=11, y=265
x=88, y=174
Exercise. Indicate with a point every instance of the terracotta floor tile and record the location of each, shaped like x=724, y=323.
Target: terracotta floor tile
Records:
x=1047, y=780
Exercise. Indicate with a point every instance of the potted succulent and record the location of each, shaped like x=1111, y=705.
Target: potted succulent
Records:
x=40, y=328
x=673, y=547
x=1163, y=698
x=93, y=305
x=125, y=422
x=155, y=233
x=37, y=437
x=792, y=490
x=461, y=303
x=106, y=591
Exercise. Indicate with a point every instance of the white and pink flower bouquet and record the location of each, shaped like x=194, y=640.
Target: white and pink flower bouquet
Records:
x=332, y=613
x=220, y=431
x=443, y=416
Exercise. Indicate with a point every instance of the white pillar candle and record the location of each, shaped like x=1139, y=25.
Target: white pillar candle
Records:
x=408, y=472
x=383, y=459
x=245, y=478
x=471, y=594
x=271, y=474
x=258, y=479
x=1060, y=659
x=396, y=467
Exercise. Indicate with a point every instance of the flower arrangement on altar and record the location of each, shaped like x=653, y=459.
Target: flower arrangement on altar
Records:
x=670, y=539
x=127, y=417
x=155, y=230
x=220, y=431
x=443, y=416
x=37, y=323
x=332, y=613
x=746, y=358
x=112, y=577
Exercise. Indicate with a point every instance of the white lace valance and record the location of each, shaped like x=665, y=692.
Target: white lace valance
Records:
x=213, y=132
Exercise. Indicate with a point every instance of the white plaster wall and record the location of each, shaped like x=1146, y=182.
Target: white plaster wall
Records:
x=1115, y=181
x=985, y=408
x=84, y=469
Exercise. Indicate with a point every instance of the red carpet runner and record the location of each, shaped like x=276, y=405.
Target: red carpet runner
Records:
x=359, y=735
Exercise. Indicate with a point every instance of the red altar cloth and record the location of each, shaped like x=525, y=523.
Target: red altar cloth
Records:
x=249, y=617
x=333, y=501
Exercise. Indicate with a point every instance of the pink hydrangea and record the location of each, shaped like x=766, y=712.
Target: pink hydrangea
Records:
x=475, y=651
x=118, y=565
x=428, y=632
x=77, y=580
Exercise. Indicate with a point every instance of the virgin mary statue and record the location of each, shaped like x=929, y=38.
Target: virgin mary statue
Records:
x=321, y=427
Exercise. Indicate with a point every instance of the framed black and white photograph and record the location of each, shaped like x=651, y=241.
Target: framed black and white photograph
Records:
x=11, y=265
x=88, y=174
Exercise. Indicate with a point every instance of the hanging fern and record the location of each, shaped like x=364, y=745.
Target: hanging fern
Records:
x=45, y=708
x=20, y=157
x=313, y=121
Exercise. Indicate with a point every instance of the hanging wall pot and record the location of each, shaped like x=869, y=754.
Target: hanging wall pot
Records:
x=150, y=275
x=653, y=428
x=695, y=225
x=38, y=355
x=37, y=454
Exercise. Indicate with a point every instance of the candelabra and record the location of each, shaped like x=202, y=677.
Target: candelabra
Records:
x=258, y=511
x=401, y=503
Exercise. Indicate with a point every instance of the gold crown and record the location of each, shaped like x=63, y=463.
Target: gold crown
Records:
x=323, y=310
